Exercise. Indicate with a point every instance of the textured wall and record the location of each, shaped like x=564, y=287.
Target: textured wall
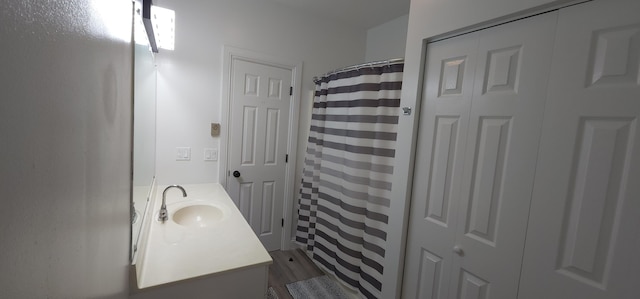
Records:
x=65, y=154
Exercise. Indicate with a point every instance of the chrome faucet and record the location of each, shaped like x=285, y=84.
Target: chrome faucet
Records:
x=164, y=215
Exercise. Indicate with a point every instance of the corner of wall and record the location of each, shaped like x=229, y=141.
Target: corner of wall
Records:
x=388, y=40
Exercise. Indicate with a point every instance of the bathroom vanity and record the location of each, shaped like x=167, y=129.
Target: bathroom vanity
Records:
x=205, y=249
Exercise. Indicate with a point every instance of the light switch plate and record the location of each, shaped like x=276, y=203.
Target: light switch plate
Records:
x=211, y=154
x=215, y=129
x=183, y=153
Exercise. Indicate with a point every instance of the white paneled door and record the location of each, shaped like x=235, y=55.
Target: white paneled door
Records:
x=484, y=98
x=260, y=101
x=583, y=239
x=439, y=161
x=505, y=124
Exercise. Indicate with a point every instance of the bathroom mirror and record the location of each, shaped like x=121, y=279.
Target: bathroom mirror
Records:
x=144, y=128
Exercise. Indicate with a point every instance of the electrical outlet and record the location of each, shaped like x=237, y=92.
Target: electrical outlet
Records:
x=211, y=154
x=183, y=153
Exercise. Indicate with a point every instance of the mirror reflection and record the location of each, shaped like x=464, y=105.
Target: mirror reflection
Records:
x=144, y=129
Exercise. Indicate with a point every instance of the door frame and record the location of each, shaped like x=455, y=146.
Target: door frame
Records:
x=230, y=53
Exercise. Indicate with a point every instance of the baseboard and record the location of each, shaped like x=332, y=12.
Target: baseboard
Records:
x=294, y=245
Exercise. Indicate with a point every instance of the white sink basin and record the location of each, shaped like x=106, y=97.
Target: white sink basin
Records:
x=198, y=215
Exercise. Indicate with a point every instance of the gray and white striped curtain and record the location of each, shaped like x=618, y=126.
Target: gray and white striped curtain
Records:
x=346, y=185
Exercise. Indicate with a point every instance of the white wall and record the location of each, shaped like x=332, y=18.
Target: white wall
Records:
x=65, y=154
x=429, y=19
x=189, y=78
x=388, y=40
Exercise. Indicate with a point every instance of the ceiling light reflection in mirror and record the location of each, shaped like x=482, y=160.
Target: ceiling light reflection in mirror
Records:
x=163, y=20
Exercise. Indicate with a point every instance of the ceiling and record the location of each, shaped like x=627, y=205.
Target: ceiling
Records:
x=359, y=13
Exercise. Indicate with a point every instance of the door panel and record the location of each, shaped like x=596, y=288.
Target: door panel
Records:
x=271, y=146
x=583, y=237
x=248, y=149
x=244, y=198
x=260, y=104
x=430, y=275
x=472, y=287
x=439, y=159
x=504, y=130
x=445, y=141
x=589, y=221
x=481, y=221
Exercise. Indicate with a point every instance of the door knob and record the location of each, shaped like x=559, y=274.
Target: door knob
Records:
x=458, y=250
x=236, y=173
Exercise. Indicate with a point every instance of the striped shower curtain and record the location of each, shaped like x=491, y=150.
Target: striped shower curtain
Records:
x=346, y=185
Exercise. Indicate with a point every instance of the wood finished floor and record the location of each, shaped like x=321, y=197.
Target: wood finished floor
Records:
x=290, y=266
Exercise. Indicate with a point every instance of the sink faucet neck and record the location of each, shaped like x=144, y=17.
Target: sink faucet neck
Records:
x=164, y=214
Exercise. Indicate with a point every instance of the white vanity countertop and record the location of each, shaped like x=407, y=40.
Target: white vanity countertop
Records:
x=175, y=252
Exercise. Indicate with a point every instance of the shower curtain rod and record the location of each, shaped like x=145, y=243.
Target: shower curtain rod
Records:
x=362, y=65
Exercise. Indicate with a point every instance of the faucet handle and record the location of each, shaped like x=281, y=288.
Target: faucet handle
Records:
x=163, y=215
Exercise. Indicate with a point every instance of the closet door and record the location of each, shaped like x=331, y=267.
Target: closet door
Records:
x=479, y=129
x=500, y=160
x=450, y=68
x=583, y=239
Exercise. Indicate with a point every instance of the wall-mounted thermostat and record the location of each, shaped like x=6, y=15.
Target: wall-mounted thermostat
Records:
x=215, y=129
